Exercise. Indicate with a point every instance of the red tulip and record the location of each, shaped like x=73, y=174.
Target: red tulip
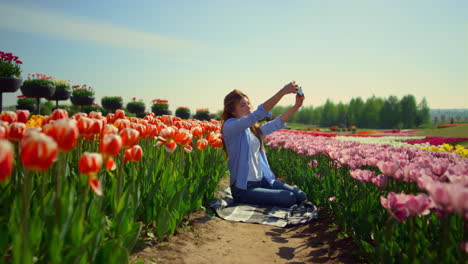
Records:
x=8, y=116
x=171, y=146
x=122, y=123
x=119, y=113
x=16, y=131
x=96, y=126
x=202, y=144
x=23, y=116
x=188, y=148
x=38, y=151
x=134, y=153
x=95, y=185
x=129, y=136
x=58, y=114
x=152, y=131
x=84, y=125
x=183, y=137
x=90, y=163
x=110, y=145
x=110, y=118
x=95, y=115
x=65, y=133
x=197, y=131
x=6, y=159
x=4, y=129
x=109, y=129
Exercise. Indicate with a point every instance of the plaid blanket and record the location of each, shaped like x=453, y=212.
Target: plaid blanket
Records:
x=227, y=209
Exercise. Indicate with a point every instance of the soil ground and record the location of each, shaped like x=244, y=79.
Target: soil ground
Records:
x=210, y=239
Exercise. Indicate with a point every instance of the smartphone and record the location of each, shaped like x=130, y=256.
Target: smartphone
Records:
x=299, y=92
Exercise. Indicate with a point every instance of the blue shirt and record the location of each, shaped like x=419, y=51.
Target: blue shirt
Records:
x=237, y=141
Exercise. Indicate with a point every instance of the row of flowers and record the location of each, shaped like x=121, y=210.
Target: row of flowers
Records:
x=416, y=187
x=443, y=176
x=145, y=172
x=169, y=131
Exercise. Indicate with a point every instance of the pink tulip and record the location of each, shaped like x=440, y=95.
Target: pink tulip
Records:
x=380, y=181
x=388, y=168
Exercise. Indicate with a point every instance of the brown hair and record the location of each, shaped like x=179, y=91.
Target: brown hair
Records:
x=230, y=102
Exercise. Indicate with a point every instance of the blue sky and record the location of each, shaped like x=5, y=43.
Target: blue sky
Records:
x=193, y=53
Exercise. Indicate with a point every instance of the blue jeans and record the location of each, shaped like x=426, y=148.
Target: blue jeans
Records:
x=262, y=193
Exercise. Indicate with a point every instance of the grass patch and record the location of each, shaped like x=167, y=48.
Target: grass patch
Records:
x=460, y=131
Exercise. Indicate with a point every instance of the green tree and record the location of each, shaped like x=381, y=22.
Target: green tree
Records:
x=409, y=111
x=342, y=114
x=423, y=115
x=329, y=114
x=390, y=113
x=355, y=108
x=370, y=116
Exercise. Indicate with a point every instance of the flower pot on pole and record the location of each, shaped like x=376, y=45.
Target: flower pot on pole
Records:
x=38, y=88
x=8, y=85
x=10, y=74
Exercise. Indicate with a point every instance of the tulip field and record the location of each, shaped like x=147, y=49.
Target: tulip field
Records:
x=84, y=188
x=402, y=203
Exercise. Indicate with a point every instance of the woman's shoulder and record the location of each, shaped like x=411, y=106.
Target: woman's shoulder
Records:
x=229, y=120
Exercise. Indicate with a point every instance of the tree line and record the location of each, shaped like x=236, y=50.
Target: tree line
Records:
x=375, y=112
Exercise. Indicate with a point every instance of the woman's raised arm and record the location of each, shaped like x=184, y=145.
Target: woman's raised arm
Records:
x=291, y=87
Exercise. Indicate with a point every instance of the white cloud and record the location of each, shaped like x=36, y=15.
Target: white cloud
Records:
x=41, y=21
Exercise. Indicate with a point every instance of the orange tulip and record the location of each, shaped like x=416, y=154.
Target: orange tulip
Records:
x=217, y=143
x=122, y=123
x=84, y=125
x=142, y=129
x=168, y=132
x=78, y=116
x=95, y=115
x=171, y=145
x=23, y=116
x=129, y=136
x=119, y=113
x=38, y=151
x=8, y=116
x=65, y=133
x=134, y=153
x=183, y=137
x=96, y=126
x=152, y=131
x=197, y=131
x=58, y=114
x=202, y=144
x=4, y=129
x=6, y=159
x=16, y=131
x=109, y=129
x=90, y=163
x=110, y=145
x=188, y=148
x=110, y=118
x=95, y=185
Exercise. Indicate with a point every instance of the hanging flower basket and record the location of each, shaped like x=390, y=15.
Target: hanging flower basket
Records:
x=202, y=114
x=160, y=107
x=136, y=107
x=62, y=90
x=10, y=84
x=81, y=100
x=183, y=112
x=112, y=103
x=82, y=95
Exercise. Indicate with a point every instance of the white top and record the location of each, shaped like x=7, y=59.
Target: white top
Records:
x=255, y=172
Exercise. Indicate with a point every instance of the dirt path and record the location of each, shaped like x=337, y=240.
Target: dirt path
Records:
x=209, y=239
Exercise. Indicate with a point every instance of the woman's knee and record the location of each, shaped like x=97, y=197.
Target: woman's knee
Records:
x=289, y=199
